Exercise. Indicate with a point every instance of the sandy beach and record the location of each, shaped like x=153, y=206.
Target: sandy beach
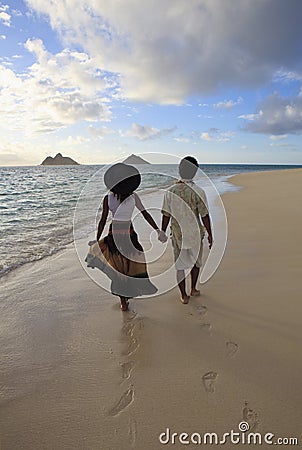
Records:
x=77, y=373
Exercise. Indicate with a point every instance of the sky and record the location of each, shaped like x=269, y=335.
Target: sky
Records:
x=99, y=80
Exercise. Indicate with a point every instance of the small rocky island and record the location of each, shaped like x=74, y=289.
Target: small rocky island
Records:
x=59, y=160
x=133, y=159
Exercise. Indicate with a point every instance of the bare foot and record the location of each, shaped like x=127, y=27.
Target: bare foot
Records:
x=125, y=306
x=185, y=299
x=195, y=293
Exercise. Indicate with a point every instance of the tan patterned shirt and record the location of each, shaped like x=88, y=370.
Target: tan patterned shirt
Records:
x=185, y=203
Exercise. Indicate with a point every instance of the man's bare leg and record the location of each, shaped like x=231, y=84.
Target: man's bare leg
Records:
x=181, y=280
x=194, y=277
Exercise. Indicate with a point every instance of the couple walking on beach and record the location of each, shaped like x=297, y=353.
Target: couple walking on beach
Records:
x=120, y=255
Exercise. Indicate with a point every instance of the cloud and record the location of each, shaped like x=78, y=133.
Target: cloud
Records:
x=228, y=104
x=5, y=18
x=56, y=91
x=181, y=55
x=100, y=132
x=145, y=132
x=251, y=116
x=2, y=36
x=73, y=141
x=183, y=140
x=277, y=116
x=216, y=135
x=205, y=136
x=278, y=138
x=286, y=76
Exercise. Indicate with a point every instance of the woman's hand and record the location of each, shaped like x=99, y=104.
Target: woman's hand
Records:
x=161, y=235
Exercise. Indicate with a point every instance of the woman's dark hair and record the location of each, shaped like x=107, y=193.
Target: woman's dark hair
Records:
x=122, y=179
x=188, y=167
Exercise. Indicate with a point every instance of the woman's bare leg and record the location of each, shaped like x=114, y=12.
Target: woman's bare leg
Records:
x=124, y=303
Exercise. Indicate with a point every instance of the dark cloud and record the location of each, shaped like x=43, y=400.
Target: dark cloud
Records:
x=166, y=52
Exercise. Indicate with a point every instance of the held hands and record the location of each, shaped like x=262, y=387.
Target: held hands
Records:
x=161, y=235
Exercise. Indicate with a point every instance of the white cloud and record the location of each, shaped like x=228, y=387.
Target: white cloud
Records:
x=205, y=136
x=278, y=138
x=145, y=132
x=216, y=135
x=181, y=55
x=5, y=18
x=183, y=140
x=2, y=36
x=251, y=116
x=279, y=116
x=100, y=132
x=73, y=141
x=286, y=76
x=228, y=104
x=56, y=91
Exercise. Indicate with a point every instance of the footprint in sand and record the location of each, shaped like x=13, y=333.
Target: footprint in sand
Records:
x=125, y=400
x=132, y=431
x=127, y=368
x=128, y=328
x=132, y=347
x=201, y=310
x=232, y=348
x=250, y=416
x=206, y=327
x=208, y=380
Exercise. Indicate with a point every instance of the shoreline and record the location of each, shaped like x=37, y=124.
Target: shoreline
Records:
x=93, y=377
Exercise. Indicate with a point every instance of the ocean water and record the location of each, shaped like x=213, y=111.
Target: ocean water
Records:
x=37, y=203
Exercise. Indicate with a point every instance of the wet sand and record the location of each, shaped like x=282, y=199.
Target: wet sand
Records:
x=77, y=373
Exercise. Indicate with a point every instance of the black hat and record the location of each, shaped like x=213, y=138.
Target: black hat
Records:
x=122, y=178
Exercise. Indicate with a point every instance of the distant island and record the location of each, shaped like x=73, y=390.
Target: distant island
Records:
x=59, y=160
x=133, y=159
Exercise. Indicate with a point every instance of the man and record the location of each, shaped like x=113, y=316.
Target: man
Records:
x=184, y=204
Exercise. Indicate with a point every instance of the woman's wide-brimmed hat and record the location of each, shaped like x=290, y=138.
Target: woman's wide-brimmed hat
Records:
x=122, y=178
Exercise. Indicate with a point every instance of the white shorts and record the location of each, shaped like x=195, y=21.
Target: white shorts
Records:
x=187, y=258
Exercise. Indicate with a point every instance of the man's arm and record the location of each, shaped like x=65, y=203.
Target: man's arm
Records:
x=207, y=223
x=165, y=222
x=103, y=219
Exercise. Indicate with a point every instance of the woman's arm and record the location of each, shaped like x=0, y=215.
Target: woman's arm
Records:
x=145, y=213
x=103, y=219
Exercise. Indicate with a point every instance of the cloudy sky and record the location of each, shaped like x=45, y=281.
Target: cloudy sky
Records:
x=95, y=80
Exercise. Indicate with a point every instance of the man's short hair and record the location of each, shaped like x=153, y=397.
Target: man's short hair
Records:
x=188, y=167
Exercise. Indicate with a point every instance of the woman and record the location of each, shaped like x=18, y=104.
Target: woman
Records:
x=119, y=255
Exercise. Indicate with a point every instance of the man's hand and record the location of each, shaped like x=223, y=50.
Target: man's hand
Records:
x=210, y=241
x=162, y=237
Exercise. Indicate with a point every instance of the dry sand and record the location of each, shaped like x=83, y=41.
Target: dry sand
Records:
x=76, y=373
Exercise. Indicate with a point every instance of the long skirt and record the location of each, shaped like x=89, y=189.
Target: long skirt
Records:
x=121, y=257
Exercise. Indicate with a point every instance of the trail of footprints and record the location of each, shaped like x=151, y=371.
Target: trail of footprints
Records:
x=208, y=379
x=132, y=325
